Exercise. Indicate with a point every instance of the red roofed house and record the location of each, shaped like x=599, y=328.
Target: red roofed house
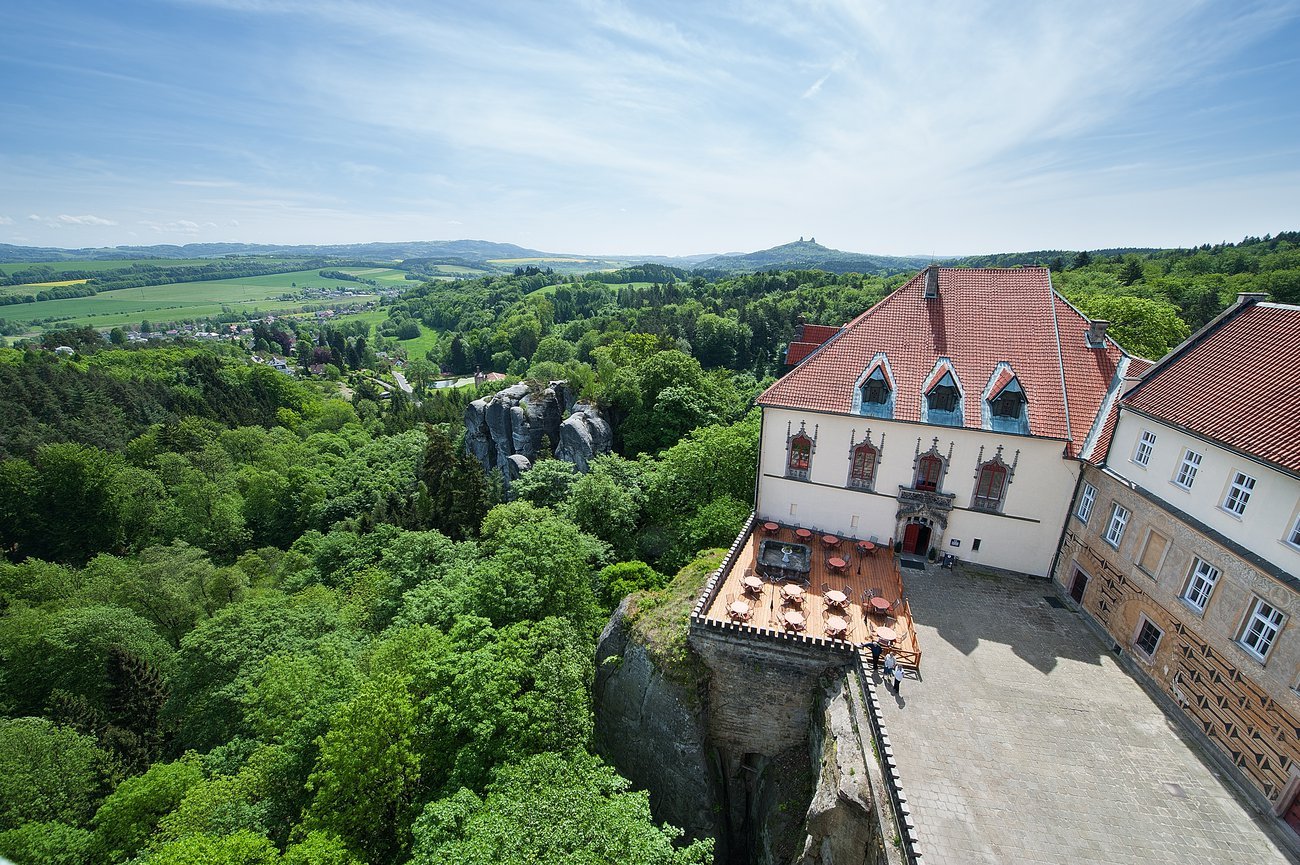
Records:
x=953, y=416
x=1184, y=543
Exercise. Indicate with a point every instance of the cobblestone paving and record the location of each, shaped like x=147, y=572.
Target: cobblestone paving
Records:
x=1026, y=742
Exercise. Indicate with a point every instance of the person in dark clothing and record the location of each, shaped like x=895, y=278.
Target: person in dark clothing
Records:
x=875, y=648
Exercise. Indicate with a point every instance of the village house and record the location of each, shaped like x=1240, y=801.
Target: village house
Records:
x=1184, y=540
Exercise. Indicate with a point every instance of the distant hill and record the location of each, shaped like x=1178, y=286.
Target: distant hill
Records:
x=471, y=250
x=810, y=255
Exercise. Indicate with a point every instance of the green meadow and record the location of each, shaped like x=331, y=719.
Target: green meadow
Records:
x=176, y=301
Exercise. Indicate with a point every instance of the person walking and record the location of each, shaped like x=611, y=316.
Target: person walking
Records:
x=890, y=666
x=875, y=648
x=898, y=679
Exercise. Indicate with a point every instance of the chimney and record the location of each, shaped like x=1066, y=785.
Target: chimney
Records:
x=1097, y=333
x=1248, y=298
x=932, y=282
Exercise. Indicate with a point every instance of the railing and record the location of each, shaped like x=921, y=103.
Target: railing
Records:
x=905, y=826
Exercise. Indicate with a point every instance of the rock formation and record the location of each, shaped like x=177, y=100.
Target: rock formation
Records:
x=509, y=430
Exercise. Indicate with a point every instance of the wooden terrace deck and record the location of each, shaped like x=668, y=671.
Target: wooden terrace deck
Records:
x=865, y=573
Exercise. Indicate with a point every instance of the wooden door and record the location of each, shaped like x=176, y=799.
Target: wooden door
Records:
x=1078, y=586
x=1292, y=815
x=909, y=537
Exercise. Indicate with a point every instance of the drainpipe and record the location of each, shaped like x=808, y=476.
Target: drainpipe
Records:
x=1074, y=501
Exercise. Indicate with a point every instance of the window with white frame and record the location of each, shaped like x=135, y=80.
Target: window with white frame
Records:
x=1148, y=638
x=1262, y=627
x=1146, y=444
x=1118, y=520
x=1238, y=494
x=1187, y=469
x=1200, y=584
x=1294, y=537
x=1086, y=499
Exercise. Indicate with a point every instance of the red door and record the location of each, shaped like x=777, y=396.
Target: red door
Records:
x=909, y=537
x=1292, y=815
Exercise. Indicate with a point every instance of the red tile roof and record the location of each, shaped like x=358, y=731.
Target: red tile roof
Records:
x=798, y=351
x=980, y=318
x=1237, y=382
x=817, y=333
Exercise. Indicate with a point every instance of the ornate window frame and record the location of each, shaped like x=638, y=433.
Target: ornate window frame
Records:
x=932, y=453
x=796, y=466
x=987, y=501
x=855, y=480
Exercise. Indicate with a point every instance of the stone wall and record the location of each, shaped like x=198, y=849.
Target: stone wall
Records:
x=510, y=429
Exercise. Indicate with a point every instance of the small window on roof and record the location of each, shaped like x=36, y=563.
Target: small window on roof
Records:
x=1010, y=402
x=944, y=395
x=875, y=389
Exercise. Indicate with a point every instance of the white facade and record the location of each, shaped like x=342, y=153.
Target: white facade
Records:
x=1268, y=521
x=1021, y=537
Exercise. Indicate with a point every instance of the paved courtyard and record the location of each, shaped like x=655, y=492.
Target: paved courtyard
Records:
x=1026, y=742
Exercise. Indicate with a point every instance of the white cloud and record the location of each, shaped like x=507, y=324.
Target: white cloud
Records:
x=87, y=219
x=5, y=220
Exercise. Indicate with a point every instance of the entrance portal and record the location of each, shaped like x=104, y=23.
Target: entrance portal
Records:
x=916, y=539
x=1078, y=586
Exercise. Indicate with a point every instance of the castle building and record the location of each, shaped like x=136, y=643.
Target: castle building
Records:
x=953, y=417
x=1183, y=541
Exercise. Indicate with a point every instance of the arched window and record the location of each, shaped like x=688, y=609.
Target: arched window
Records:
x=990, y=486
x=862, y=473
x=929, y=471
x=800, y=456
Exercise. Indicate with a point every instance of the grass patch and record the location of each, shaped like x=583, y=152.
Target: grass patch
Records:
x=661, y=619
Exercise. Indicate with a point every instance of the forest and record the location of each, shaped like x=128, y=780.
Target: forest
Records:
x=245, y=620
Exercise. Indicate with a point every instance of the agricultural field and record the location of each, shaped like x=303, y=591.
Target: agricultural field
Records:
x=115, y=264
x=179, y=300
x=385, y=276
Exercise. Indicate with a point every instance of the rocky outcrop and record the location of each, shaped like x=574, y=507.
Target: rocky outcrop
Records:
x=511, y=428
x=842, y=828
x=648, y=726
x=759, y=745
x=584, y=435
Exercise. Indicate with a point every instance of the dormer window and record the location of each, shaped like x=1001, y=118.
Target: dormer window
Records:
x=1010, y=403
x=944, y=395
x=875, y=390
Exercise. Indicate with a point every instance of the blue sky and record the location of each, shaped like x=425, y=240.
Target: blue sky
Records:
x=665, y=128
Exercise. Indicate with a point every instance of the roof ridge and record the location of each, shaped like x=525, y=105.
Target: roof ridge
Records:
x=1060, y=359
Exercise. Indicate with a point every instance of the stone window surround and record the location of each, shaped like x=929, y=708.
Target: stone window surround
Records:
x=855, y=482
x=1255, y=613
x=792, y=469
x=1293, y=535
x=1201, y=573
x=1117, y=525
x=1135, y=641
x=1145, y=446
x=1087, y=498
x=1008, y=472
x=1151, y=535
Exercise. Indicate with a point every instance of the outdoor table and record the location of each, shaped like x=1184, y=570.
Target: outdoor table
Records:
x=886, y=635
x=880, y=605
x=837, y=564
x=792, y=592
x=803, y=534
x=752, y=584
x=866, y=547
x=738, y=610
x=830, y=541
x=771, y=528
x=837, y=598
x=836, y=626
x=794, y=620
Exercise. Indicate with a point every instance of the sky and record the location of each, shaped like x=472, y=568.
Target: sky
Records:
x=667, y=128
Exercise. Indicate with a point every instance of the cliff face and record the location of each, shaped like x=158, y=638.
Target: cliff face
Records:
x=508, y=430
x=762, y=751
